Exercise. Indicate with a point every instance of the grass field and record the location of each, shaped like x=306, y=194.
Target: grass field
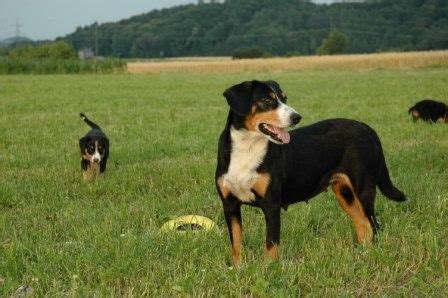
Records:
x=62, y=236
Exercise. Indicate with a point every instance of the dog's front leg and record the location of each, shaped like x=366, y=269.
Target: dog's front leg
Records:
x=103, y=166
x=272, y=217
x=232, y=213
x=85, y=168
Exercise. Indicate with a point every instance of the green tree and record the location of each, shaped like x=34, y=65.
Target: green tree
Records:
x=277, y=26
x=335, y=43
x=59, y=50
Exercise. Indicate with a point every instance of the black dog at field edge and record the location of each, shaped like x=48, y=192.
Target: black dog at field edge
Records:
x=261, y=164
x=430, y=111
x=94, y=150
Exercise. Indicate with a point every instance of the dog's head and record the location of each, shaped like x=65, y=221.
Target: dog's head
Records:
x=446, y=114
x=94, y=149
x=260, y=106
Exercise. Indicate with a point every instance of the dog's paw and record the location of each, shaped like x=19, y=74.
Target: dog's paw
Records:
x=247, y=196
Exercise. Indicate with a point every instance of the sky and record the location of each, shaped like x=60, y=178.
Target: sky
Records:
x=48, y=19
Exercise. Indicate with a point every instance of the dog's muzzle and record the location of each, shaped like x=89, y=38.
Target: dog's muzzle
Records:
x=295, y=119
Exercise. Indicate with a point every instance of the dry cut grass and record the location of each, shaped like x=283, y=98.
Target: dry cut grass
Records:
x=401, y=61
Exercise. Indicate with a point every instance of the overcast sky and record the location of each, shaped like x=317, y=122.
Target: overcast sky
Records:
x=48, y=19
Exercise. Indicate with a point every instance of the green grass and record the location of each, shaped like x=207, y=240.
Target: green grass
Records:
x=61, y=235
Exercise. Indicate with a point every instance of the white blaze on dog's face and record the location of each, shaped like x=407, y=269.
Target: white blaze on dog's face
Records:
x=96, y=157
x=286, y=114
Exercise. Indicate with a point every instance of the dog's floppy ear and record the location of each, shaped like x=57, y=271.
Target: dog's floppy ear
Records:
x=83, y=143
x=106, y=143
x=276, y=87
x=239, y=97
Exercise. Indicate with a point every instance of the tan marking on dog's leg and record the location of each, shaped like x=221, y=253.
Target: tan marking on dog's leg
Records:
x=95, y=168
x=87, y=174
x=225, y=191
x=272, y=253
x=261, y=185
x=237, y=237
x=353, y=209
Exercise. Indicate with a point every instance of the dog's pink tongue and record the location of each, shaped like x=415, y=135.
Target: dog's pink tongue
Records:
x=283, y=135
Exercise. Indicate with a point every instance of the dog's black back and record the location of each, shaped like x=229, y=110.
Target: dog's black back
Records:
x=333, y=146
x=94, y=147
x=430, y=111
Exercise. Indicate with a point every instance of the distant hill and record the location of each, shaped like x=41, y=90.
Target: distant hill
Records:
x=14, y=40
x=280, y=27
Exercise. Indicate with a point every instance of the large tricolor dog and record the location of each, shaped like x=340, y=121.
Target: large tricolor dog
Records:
x=261, y=164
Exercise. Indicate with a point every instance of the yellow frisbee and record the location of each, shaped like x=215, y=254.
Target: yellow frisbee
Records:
x=188, y=223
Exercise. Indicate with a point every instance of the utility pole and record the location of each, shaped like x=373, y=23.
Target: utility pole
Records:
x=96, y=39
x=18, y=26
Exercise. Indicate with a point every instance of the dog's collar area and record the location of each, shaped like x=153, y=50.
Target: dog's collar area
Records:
x=276, y=133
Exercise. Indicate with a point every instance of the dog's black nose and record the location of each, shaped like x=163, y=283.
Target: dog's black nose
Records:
x=96, y=160
x=295, y=118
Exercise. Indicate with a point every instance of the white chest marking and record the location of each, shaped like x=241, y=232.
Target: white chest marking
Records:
x=248, y=151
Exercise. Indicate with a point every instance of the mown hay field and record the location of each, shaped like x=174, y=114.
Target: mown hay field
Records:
x=62, y=236
x=362, y=62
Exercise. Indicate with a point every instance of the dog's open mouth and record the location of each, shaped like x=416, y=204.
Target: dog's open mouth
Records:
x=278, y=134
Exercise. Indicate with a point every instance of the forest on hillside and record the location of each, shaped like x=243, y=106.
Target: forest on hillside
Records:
x=278, y=27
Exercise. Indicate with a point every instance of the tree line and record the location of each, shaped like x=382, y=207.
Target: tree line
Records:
x=276, y=27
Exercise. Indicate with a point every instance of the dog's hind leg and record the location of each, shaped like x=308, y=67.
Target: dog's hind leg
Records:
x=367, y=198
x=349, y=201
x=232, y=213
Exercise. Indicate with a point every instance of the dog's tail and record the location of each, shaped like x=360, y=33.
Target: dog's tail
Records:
x=385, y=184
x=90, y=123
x=382, y=176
